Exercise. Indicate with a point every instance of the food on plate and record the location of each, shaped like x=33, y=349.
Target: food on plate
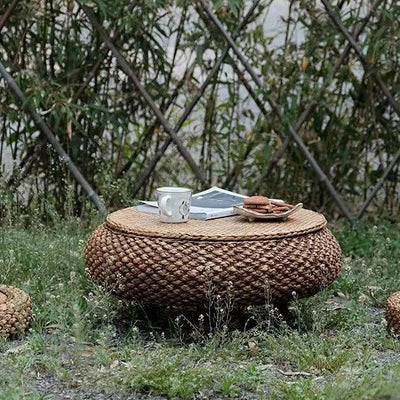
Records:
x=263, y=205
x=256, y=201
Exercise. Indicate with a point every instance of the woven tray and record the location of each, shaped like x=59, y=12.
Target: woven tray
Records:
x=131, y=221
x=137, y=257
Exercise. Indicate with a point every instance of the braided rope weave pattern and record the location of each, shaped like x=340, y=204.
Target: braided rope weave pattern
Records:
x=15, y=310
x=393, y=313
x=184, y=272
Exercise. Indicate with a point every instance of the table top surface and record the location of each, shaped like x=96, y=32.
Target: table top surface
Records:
x=131, y=221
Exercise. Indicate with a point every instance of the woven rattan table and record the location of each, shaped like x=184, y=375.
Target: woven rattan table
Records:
x=136, y=256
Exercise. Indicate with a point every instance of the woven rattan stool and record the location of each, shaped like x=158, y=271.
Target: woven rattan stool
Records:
x=15, y=311
x=136, y=256
x=393, y=313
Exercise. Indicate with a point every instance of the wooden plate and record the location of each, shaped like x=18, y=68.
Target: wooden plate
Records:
x=252, y=215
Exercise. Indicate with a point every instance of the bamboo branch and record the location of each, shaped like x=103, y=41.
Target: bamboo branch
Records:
x=378, y=185
x=7, y=14
x=53, y=140
x=297, y=139
x=97, y=65
x=279, y=153
x=367, y=65
x=369, y=68
x=151, y=128
x=128, y=71
x=313, y=105
x=306, y=115
x=145, y=174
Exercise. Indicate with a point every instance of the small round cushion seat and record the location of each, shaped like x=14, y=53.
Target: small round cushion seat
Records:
x=393, y=313
x=15, y=310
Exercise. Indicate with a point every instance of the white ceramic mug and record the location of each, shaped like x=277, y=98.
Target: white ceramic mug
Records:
x=174, y=204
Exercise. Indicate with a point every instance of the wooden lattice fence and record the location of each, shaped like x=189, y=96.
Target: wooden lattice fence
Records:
x=292, y=130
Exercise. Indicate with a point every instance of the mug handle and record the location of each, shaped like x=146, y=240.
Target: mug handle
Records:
x=163, y=206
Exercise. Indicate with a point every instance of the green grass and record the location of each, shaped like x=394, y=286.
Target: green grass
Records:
x=83, y=337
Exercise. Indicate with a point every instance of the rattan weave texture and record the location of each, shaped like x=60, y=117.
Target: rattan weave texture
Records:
x=15, y=310
x=393, y=313
x=129, y=220
x=183, y=271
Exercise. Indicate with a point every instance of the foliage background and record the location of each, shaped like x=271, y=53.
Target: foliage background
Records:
x=50, y=48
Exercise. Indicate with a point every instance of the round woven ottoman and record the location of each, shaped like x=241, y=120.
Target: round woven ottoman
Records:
x=15, y=310
x=393, y=313
x=137, y=257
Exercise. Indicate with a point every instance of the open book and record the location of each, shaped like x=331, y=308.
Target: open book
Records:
x=212, y=203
